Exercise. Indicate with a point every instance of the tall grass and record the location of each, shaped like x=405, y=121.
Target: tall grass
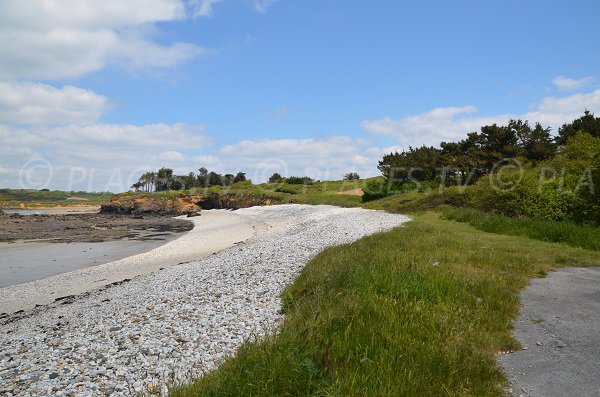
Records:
x=576, y=235
x=422, y=310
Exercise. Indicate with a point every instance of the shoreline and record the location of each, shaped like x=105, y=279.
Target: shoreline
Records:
x=179, y=323
x=57, y=210
x=212, y=232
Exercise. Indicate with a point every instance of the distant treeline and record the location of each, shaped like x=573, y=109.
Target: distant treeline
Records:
x=464, y=162
x=164, y=180
x=528, y=172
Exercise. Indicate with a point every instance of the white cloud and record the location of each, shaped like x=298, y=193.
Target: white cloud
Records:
x=171, y=155
x=202, y=8
x=36, y=103
x=262, y=5
x=320, y=158
x=567, y=84
x=59, y=39
x=453, y=123
x=90, y=157
x=204, y=161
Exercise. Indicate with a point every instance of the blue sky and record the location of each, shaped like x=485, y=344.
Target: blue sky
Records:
x=92, y=94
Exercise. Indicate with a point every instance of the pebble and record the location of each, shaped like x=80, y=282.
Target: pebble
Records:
x=179, y=323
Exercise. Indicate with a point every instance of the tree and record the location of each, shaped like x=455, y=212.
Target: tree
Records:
x=164, y=179
x=275, y=178
x=228, y=179
x=420, y=164
x=351, y=176
x=296, y=180
x=137, y=186
x=497, y=143
x=587, y=123
x=535, y=144
x=239, y=177
x=189, y=181
x=202, y=177
x=215, y=179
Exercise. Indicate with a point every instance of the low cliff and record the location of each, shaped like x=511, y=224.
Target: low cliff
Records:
x=173, y=204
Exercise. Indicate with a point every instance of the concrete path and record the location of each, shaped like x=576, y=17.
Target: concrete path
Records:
x=559, y=328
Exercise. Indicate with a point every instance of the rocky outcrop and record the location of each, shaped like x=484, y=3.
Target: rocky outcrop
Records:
x=182, y=204
x=139, y=204
x=234, y=201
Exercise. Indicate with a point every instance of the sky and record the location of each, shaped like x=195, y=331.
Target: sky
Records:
x=94, y=93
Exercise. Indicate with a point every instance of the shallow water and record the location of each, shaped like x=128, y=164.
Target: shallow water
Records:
x=22, y=262
x=50, y=211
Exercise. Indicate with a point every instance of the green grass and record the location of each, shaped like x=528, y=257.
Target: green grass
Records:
x=576, y=235
x=11, y=198
x=280, y=193
x=422, y=310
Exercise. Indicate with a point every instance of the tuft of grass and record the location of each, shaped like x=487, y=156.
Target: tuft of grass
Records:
x=570, y=233
x=421, y=310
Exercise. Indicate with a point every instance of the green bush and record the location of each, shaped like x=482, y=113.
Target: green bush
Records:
x=375, y=189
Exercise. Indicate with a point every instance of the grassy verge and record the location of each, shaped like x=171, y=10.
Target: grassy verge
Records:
x=420, y=310
x=12, y=198
x=583, y=236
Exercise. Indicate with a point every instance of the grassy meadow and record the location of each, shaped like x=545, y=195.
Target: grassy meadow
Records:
x=12, y=198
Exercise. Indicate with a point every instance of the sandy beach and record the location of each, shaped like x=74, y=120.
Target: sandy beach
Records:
x=213, y=231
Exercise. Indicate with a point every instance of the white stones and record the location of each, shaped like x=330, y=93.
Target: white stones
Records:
x=177, y=323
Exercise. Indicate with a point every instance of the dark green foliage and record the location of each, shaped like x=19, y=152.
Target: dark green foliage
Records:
x=418, y=164
x=535, y=144
x=165, y=180
x=350, y=176
x=516, y=170
x=296, y=180
x=586, y=123
x=375, y=189
x=276, y=178
x=239, y=177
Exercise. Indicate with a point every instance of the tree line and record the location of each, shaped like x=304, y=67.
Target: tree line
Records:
x=464, y=162
x=164, y=179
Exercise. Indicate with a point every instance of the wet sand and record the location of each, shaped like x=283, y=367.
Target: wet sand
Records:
x=82, y=209
x=85, y=227
x=23, y=262
x=214, y=231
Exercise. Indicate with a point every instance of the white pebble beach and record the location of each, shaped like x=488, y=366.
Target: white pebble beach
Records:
x=170, y=324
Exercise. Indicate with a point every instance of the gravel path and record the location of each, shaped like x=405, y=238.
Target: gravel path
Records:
x=559, y=328
x=178, y=322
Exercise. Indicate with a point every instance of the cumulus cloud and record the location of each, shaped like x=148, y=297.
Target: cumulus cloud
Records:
x=35, y=103
x=567, y=84
x=95, y=156
x=453, y=123
x=59, y=39
x=320, y=158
